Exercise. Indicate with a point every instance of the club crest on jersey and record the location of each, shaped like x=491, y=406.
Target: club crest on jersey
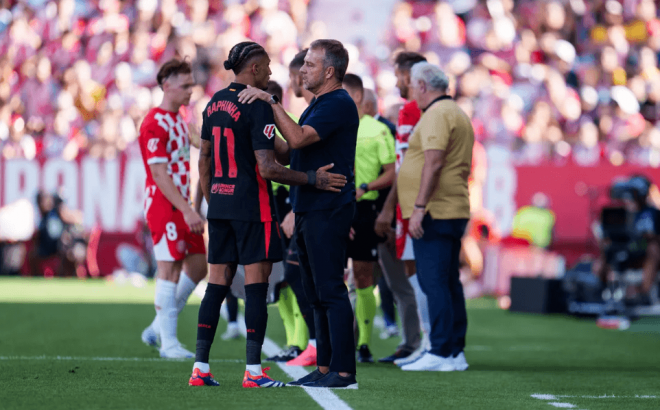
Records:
x=152, y=144
x=269, y=131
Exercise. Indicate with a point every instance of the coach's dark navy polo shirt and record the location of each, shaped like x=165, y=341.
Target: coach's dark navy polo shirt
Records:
x=335, y=118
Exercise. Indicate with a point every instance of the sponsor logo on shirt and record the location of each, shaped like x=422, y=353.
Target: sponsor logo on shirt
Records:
x=269, y=131
x=223, y=189
x=152, y=144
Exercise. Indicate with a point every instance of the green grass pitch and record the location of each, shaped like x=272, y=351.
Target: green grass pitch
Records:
x=69, y=344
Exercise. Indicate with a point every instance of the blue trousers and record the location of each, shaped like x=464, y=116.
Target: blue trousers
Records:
x=437, y=254
x=322, y=238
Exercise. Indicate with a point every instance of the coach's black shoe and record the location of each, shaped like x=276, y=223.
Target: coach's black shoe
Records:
x=288, y=353
x=399, y=354
x=310, y=378
x=364, y=355
x=333, y=380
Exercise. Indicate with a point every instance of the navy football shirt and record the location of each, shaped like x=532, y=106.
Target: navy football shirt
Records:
x=235, y=130
x=335, y=118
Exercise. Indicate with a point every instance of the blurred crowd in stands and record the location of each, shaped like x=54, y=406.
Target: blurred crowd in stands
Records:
x=553, y=80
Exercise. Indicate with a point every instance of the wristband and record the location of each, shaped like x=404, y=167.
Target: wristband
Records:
x=420, y=207
x=311, y=178
x=364, y=187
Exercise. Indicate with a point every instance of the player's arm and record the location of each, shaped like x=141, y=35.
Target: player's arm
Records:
x=170, y=191
x=198, y=197
x=386, y=215
x=282, y=151
x=204, y=165
x=321, y=179
x=384, y=180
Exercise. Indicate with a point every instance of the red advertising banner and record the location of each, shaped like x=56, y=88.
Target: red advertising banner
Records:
x=577, y=194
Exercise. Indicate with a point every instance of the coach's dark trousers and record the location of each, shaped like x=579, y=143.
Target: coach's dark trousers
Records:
x=437, y=254
x=322, y=237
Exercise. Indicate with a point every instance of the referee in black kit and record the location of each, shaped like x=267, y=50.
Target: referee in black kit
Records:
x=327, y=134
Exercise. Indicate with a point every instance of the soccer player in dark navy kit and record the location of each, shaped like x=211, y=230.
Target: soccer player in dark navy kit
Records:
x=237, y=162
x=327, y=134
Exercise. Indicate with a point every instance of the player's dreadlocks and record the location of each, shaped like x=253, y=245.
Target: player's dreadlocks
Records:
x=241, y=54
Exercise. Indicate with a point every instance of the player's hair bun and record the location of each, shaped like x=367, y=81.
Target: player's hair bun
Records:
x=228, y=65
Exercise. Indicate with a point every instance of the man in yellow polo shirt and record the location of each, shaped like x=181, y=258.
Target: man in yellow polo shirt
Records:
x=432, y=189
x=374, y=151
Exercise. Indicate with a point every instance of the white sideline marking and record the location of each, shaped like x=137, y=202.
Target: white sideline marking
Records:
x=324, y=397
x=109, y=359
x=563, y=405
x=544, y=396
x=549, y=397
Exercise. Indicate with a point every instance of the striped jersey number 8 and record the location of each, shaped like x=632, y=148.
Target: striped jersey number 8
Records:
x=170, y=229
x=217, y=136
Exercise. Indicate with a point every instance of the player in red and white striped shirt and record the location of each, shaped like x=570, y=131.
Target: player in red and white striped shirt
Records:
x=176, y=229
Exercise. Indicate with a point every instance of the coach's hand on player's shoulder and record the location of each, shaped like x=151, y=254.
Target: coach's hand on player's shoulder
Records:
x=251, y=94
x=383, y=225
x=194, y=221
x=328, y=181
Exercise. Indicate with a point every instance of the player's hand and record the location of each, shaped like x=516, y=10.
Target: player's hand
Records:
x=252, y=94
x=194, y=222
x=383, y=226
x=351, y=234
x=288, y=224
x=328, y=181
x=358, y=193
x=415, y=224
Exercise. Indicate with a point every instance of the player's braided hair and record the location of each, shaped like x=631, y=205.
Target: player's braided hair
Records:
x=241, y=54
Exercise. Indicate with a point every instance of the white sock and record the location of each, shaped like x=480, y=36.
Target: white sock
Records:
x=312, y=342
x=203, y=367
x=232, y=325
x=166, y=312
x=183, y=290
x=254, y=369
x=422, y=304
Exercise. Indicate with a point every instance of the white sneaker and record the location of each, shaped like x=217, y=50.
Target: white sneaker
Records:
x=176, y=352
x=149, y=337
x=416, y=355
x=431, y=362
x=232, y=332
x=460, y=363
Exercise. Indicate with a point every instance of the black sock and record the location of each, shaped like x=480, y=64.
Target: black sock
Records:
x=232, y=307
x=209, y=314
x=292, y=275
x=256, y=319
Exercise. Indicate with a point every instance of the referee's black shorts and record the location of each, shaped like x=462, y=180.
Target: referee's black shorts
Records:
x=364, y=246
x=244, y=242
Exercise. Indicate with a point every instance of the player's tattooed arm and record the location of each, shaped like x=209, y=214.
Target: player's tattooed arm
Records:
x=204, y=166
x=270, y=169
x=282, y=151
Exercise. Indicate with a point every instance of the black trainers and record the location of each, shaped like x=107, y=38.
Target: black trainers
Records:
x=288, y=353
x=399, y=354
x=364, y=355
x=312, y=377
x=333, y=380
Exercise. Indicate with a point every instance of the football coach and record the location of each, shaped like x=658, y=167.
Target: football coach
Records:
x=326, y=134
